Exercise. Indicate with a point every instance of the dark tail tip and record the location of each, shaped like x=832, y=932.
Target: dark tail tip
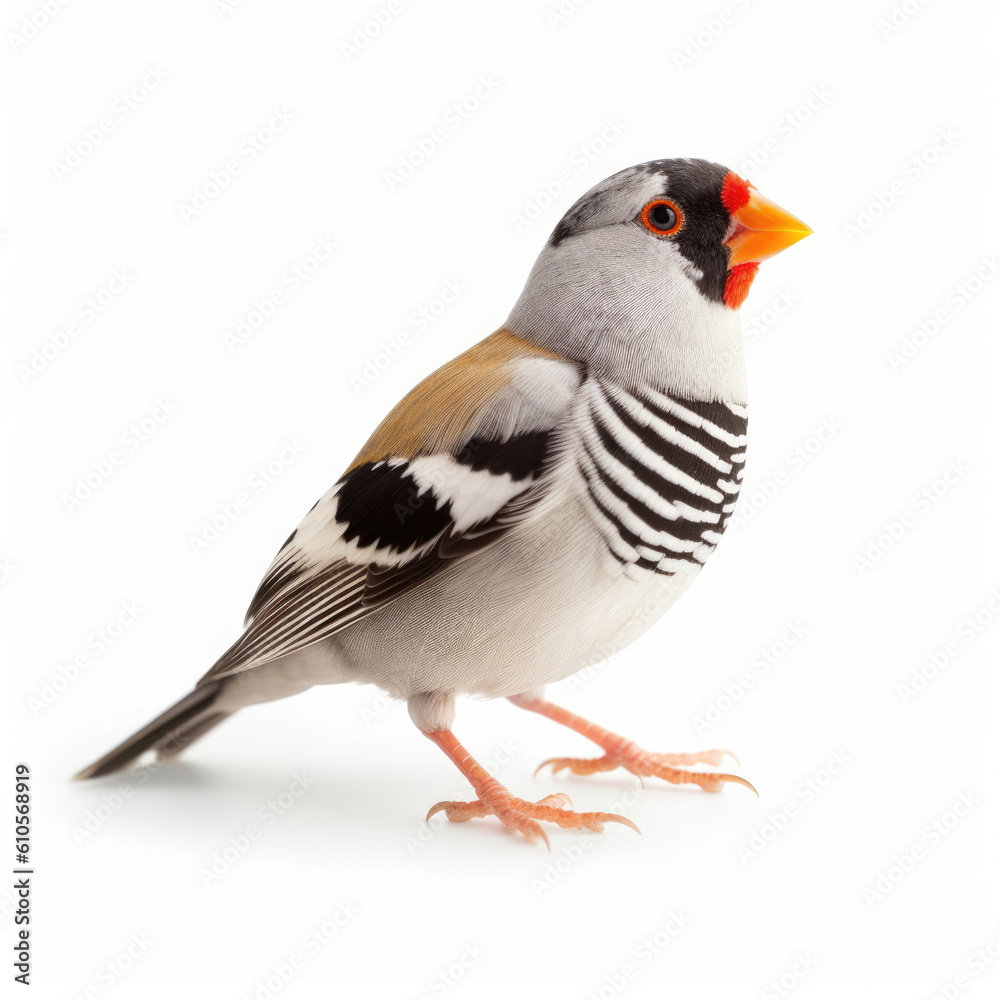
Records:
x=168, y=733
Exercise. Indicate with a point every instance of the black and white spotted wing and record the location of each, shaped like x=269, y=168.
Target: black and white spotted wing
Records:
x=662, y=473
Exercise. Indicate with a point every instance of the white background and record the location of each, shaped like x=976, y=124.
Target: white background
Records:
x=843, y=444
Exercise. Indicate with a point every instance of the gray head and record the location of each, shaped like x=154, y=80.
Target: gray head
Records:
x=645, y=272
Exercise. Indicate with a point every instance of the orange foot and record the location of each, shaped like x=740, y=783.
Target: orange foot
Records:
x=620, y=752
x=516, y=814
x=519, y=815
x=659, y=765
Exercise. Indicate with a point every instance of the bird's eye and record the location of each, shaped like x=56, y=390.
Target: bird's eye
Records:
x=661, y=217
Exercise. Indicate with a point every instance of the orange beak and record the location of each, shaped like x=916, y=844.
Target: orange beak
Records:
x=762, y=230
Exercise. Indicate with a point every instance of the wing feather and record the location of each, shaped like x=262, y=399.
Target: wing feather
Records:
x=393, y=520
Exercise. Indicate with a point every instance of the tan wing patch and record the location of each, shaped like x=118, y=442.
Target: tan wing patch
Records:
x=435, y=416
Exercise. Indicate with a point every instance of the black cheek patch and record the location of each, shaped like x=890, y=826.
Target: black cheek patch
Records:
x=696, y=186
x=382, y=505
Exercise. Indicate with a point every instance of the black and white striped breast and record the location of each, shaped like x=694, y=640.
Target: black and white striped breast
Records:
x=662, y=474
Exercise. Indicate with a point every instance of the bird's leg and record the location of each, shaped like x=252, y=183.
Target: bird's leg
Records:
x=620, y=752
x=517, y=814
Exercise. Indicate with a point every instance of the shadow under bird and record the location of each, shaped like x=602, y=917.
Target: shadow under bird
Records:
x=536, y=503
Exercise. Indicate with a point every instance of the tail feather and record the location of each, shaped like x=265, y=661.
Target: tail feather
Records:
x=168, y=734
x=194, y=730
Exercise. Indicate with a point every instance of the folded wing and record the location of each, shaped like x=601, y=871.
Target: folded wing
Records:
x=454, y=466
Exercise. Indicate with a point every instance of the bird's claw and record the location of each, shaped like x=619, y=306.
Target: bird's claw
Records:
x=644, y=764
x=580, y=765
x=520, y=815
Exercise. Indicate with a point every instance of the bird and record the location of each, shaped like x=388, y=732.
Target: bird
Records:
x=535, y=504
